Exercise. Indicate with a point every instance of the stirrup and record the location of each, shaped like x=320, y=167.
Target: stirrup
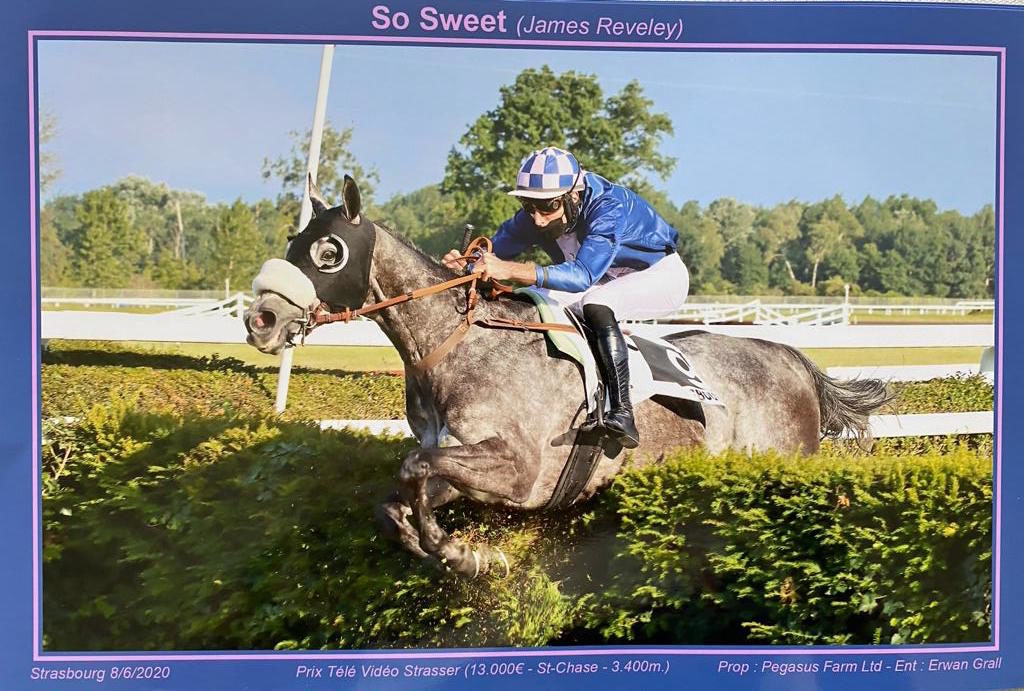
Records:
x=625, y=437
x=595, y=420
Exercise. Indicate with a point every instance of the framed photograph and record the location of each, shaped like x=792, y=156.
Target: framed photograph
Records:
x=525, y=344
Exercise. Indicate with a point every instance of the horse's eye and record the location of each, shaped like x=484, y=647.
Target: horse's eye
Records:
x=329, y=254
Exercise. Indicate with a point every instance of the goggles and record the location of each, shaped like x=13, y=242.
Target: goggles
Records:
x=544, y=206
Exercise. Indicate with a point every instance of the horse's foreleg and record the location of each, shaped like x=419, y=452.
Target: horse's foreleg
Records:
x=488, y=468
x=393, y=516
x=393, y=519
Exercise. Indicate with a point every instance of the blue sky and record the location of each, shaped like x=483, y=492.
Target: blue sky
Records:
x=758, y=127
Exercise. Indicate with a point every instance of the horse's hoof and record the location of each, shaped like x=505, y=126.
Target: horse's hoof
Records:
x=504, y=561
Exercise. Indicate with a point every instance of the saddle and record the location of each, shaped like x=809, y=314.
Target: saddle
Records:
x=656, y=368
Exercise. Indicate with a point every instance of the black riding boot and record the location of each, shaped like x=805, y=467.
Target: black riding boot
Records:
x=613, y=361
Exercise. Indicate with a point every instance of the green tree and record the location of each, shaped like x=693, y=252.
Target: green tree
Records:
x=743, y=265
x=983, y=228
x=734, y=220
x=240, y=248
x=827, y=228
x=774, y=229
x=49, y=168
x=617, y=137
x=146, y=204
x=919, y=242
x=701, y=248
x=173, y=273
x=427, y=217
x=336, y=160
x=54, y=257
x=733, y=223
x=111, y=251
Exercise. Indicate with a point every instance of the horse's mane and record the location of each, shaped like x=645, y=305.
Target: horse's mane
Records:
x=518, y=304
x=409, y=244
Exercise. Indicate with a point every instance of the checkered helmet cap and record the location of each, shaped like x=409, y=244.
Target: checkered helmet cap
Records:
x=547, y=173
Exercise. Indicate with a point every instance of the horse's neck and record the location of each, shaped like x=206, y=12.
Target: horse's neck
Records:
x=418, y=326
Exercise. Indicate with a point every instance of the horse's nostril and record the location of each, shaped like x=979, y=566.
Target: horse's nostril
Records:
x=263, y=320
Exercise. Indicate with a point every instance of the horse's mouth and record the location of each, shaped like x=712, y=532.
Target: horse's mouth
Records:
x=272, y=324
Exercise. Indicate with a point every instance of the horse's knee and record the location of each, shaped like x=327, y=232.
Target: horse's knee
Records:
x=415, y=467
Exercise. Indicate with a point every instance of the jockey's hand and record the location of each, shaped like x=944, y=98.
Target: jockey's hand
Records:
x=491, y=268
x=453, y=260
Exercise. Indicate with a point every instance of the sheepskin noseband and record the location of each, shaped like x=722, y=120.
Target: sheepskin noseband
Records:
x=285, y=279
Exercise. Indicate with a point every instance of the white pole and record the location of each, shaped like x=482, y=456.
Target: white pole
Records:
x=316, y=135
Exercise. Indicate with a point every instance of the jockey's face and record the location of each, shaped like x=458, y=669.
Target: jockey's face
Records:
x=543, y=220
x=549, y=217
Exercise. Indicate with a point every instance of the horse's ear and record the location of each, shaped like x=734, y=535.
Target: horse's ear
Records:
x=319, y=205
x=350, y=195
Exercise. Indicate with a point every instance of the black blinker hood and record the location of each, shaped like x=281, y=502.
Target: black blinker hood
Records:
x=347, y=288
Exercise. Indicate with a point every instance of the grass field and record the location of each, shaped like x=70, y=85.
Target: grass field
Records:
x=841, y=357
x=878, y=318
x=378, y=359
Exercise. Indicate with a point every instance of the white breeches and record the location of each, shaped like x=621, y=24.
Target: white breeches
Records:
x=657, y=291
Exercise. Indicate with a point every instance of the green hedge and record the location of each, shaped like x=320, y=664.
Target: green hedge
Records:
x=191, y=532
x=826, y=550
x=73, y=379
x=960, y=394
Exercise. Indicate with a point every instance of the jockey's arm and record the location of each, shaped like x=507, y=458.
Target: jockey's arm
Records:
x=512, y=237
x=493, y=268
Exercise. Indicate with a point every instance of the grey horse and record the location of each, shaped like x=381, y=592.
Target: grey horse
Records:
x=492, y=415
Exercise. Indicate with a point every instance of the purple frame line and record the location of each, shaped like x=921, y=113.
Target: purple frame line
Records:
x=38, y=656
x=998, y=518
x=327, y=38
x=36, y=441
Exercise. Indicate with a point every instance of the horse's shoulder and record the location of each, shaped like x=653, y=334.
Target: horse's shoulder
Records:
x=515, y=305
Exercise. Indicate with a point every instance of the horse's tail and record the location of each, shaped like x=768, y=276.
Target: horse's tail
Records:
x=845, y=405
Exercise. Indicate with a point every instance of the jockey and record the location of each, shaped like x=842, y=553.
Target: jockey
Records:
x=614, y=258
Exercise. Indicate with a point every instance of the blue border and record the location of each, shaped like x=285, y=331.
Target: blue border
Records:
x=704, y=24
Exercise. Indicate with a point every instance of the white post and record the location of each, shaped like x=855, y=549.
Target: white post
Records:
x=846, y=303
x=316, y=134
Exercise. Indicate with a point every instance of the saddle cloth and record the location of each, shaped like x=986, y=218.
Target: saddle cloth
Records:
x=656, y=367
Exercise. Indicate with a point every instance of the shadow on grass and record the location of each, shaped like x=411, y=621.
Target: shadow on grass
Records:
x=95, y=354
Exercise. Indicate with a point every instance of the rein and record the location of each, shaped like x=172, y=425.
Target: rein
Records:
x=321, y=315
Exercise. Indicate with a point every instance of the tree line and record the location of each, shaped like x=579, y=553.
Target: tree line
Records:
x=143, y=234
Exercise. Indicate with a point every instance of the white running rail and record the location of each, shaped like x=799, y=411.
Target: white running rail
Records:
x=224, y=325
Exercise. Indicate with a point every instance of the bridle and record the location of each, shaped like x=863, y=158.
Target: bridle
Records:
x=321, y=314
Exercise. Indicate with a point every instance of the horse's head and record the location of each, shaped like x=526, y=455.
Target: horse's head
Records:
x=329, y=261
